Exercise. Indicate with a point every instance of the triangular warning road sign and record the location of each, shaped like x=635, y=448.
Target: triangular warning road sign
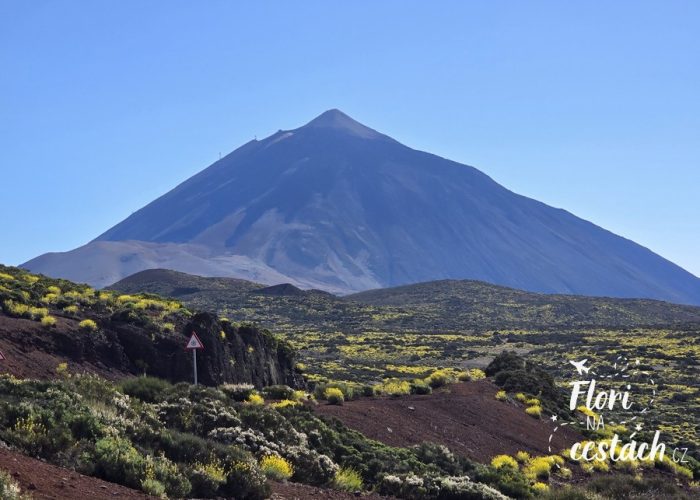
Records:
x=194, y=342
x=2, y=356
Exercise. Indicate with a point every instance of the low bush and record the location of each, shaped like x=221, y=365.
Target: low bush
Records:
x=62, y=369
x=88, y=325
x=501, y=461
x=419, y=386
x=540, y=488
x=347, y=479
x=534, y=411
x=48, y=321
x=501, y=395
x=71, y=310
x=334, y=396
x=278, y=392
x=255, y=399
x=538, y=468
x=9, y=489
x=116, y=460
x=624, y=486
x=276, y=467
x=350, y=391
x=285, y=403
x=148, y=389
x=394, y=387
x=238, y=392
x=438, y=378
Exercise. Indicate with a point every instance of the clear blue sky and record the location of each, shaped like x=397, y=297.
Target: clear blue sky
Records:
x=593, y=107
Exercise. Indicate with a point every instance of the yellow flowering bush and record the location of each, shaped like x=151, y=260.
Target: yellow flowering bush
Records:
x=501, y=461
x=88, y=325
x=276, y=467
x=534, y=411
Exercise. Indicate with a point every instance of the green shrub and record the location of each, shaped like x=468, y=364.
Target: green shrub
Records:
x=238, y=392
x=118, y=461
x=161, y=470
x=347, y=390
x=9, y=489
x=462, y=487
x=148, y=389
x=438, y=378
x=506, y=361
x=440, y=456
x=278, y=392
x=367, y=391
x=501, y=395
x=187, y=448
x=245, y=480
x=347, y=479
x=419, y=386
x=153, y=487
x=624, y=486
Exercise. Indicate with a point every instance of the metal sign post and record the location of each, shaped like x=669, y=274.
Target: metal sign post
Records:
x=193, y=345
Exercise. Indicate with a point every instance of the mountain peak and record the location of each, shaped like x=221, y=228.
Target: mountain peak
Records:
x=337, y=120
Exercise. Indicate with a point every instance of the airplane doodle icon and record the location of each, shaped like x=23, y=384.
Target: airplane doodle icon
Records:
x=580, y=368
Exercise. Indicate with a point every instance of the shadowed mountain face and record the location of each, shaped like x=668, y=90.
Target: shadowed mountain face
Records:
x=338, y=206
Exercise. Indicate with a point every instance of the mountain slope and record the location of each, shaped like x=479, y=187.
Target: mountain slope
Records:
x=446, y=305
x=339, y=206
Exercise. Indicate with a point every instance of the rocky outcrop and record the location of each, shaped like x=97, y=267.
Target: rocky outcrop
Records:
x=231, y=354
x=122, y=347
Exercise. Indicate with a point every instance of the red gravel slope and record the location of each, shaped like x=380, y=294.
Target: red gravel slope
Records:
x=464, y=417
x=46, y=481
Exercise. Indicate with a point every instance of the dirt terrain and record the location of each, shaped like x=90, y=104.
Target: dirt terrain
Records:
x=32, y=353
x=464, y=417
x=45, y=481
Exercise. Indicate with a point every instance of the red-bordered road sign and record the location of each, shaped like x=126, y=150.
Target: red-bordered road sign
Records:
x=194, y=343
x=2, y=356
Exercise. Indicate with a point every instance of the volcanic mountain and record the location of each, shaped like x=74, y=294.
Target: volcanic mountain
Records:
x=338, y=206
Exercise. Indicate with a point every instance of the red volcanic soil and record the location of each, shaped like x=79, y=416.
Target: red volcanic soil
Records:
x=45, y=481
x=465, y=417
x=30, y=348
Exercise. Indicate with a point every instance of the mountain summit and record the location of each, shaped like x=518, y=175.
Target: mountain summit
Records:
x=339, y=206
x=337, y=120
